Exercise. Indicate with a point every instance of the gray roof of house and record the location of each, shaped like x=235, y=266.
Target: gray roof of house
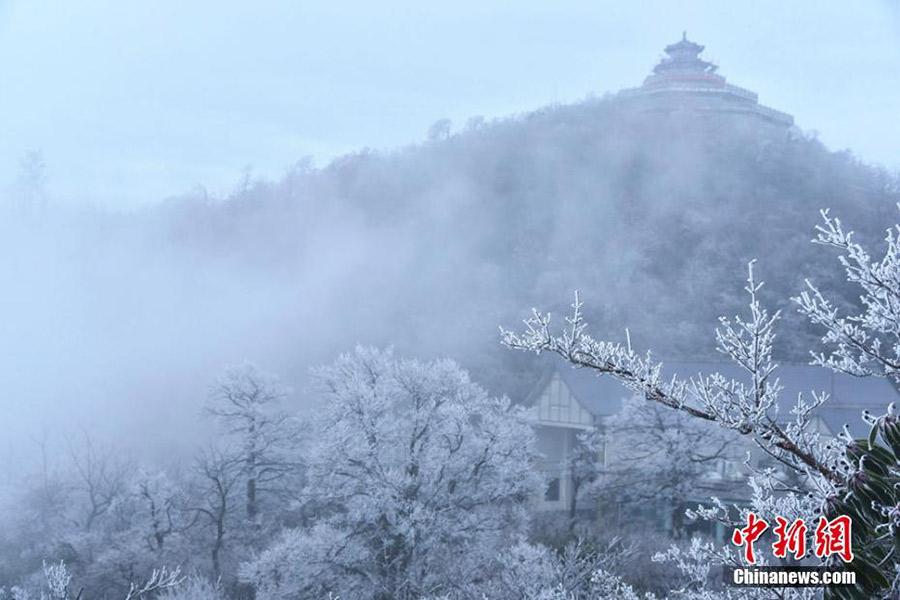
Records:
x=602, y=395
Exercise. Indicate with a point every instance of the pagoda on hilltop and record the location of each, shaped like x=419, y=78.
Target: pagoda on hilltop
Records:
x=684, y=82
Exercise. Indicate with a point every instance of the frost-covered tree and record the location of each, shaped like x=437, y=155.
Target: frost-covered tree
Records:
x=657, y=454
x=866, y=343
x=578, y=571
x=584, y=464
x=421, y=478
x=56, y=584
x=439, y=130
x=147, y=525
x=100, y=479
x=697, y=565
x=218, y=473
x=194, y=588
x=247, y=402
x=158, y=503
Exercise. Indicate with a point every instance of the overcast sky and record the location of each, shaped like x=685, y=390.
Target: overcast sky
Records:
x=131, y=102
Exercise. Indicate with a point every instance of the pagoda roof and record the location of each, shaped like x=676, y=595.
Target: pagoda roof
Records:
x=684, y=57
x=684, y=45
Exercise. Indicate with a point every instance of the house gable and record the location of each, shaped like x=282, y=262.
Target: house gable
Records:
x=556, y=405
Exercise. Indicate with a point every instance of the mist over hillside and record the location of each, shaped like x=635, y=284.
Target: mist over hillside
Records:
x=428, y=248
x=458, y=234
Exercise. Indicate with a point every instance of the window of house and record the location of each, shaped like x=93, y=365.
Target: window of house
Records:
x=715, y=471
x=559, y=398
x=552, y=493
x=730, y=469
x=724, y=469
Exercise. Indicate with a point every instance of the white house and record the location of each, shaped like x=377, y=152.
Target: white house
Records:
x=568, y=401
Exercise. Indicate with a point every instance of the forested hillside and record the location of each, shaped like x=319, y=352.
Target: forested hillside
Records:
x=447, y=239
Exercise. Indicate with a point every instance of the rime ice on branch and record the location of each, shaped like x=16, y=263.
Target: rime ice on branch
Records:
x=748, y=406
x=865, y=343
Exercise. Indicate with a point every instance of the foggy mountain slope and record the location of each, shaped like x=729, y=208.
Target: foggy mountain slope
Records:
x=519, y=212
x=428, y=248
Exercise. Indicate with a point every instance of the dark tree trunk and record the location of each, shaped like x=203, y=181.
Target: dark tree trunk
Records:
x=252, y=508
x=217, y=547
x=573, y=504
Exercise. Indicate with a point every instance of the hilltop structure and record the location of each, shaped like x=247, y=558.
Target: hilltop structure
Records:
x=684, y=82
